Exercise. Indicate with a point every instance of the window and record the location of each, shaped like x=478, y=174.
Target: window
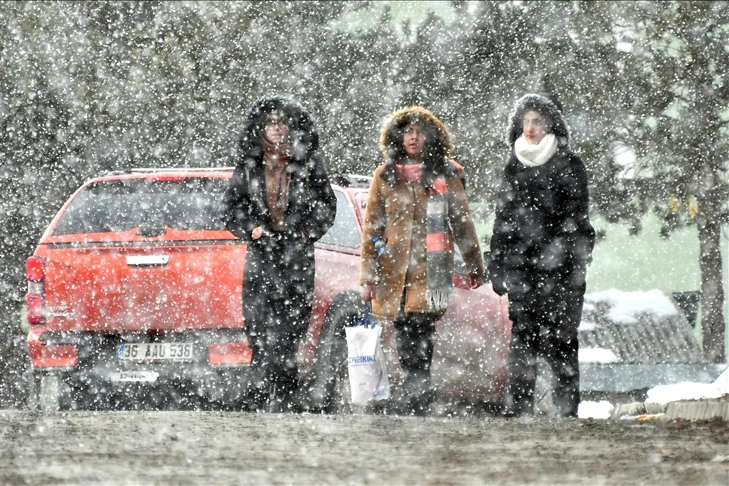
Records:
x=189, y=204
x=344, y=231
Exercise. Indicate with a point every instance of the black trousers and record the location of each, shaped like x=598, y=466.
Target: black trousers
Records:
x=546, y=327
x=415, y=337
x=278, y=291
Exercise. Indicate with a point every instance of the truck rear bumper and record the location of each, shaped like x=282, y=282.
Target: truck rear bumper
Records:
x=88, y=365
x=149, y=387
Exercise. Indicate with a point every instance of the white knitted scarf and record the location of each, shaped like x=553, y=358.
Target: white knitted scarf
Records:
x=535, y=155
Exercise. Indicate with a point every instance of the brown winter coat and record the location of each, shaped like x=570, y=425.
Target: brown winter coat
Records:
x=396, y=211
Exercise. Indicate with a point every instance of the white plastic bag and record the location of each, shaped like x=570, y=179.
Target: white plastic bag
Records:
x=368, y=379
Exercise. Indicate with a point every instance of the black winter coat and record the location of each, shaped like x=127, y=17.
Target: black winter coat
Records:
x=542, y=236
x=278, y=282
x=310, y=212
x=312, y=204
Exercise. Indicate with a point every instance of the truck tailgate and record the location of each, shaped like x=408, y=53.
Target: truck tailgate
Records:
x=133, y=287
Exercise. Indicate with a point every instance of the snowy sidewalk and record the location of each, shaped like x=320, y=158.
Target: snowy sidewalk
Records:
x=642, y=340
x=689, y=401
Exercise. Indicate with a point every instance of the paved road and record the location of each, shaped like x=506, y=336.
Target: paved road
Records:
x=241, y=448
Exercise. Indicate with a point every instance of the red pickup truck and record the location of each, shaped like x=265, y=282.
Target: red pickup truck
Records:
x=134, y=300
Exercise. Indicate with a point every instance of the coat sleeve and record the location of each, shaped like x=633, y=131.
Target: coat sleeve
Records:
x=576, y=225
x=322, y=202
x=501, y=236
x=237, y=210
x=374, y=225
x=463, y=229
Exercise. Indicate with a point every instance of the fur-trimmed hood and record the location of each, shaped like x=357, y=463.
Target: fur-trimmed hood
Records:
x=438, y=144
x=394, y=128
x=304, y=138
x=545, y=107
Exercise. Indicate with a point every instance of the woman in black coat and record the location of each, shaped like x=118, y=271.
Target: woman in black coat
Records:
x=541, y=246
x=279, y=202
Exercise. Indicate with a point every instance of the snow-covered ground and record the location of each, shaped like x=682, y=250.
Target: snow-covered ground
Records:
x=597, y=410
x=689, y=391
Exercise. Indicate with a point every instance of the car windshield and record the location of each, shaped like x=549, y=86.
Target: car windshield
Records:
x=188, y=204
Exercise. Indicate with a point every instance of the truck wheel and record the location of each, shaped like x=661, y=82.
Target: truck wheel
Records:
x=331, y=368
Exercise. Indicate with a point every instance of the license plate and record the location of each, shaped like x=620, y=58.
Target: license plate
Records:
x=156, y=351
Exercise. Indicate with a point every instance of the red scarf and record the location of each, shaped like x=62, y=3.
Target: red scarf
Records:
x=409, y=172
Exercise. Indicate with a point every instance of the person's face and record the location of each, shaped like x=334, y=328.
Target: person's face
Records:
x=414, y=141
x=276, y=128
x=535, y=127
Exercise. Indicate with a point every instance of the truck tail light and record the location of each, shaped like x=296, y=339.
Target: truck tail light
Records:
x=44, y=355
x=35, y=271
x=237, y=353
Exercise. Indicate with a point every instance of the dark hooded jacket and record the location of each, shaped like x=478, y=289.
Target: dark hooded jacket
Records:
x=312, y=204
x=542, y=235
x=279, y=267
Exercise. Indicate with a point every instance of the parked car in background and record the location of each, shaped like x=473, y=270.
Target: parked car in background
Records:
x=134, y=300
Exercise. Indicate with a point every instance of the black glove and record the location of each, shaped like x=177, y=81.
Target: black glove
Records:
x=495, y=274
x=499, y=286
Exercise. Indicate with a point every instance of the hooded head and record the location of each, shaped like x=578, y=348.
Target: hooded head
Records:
x=542, y=104
x=303, y=135
x=438, y=143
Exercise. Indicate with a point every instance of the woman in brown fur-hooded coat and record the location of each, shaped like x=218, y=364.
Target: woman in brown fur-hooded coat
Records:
x=410, y=282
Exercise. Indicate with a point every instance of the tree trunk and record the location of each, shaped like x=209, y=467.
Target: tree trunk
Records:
x=712, y=290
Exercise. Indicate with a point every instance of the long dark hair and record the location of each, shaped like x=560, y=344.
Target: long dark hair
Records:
x=304, y=137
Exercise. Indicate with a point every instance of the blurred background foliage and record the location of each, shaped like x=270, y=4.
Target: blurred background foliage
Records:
x=87, y=87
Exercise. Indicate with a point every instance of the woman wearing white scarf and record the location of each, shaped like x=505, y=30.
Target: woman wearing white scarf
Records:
x=540, y=248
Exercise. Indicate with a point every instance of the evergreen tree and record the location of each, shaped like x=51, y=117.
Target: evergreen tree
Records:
x=678, y=129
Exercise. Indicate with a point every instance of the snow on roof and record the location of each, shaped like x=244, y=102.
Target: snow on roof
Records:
x=626, y=306
x=596, y=355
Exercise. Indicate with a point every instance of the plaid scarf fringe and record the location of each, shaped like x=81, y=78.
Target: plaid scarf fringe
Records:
x=439, y=291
